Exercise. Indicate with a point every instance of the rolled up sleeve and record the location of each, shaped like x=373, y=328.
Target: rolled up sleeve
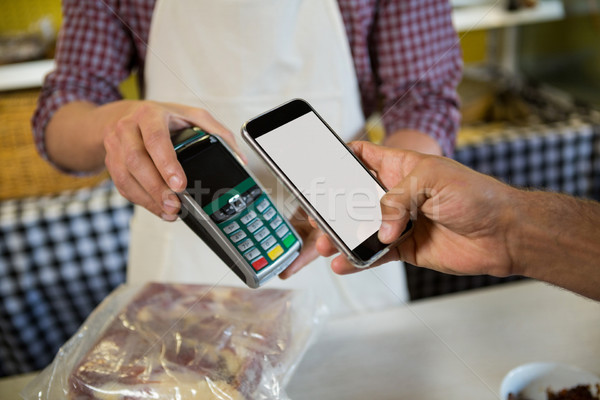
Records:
x=93, y=56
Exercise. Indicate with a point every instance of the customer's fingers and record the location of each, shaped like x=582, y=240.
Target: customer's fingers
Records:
x=341, y=266
x=370, y=154
x=406, y=198
x=395, y=213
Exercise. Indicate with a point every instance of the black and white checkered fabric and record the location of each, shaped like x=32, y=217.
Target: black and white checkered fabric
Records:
x=595, y=191
x=59, y=257
x=560, y=157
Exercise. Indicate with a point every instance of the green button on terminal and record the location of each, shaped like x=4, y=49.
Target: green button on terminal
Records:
x=289, y=240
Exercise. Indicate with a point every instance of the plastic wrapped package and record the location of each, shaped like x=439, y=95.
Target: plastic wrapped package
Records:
x=172, y=341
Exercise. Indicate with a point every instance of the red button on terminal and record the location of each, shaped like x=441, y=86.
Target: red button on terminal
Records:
x=260, y=263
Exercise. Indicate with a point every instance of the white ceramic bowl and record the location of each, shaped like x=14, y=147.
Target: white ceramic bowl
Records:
x=534, y=379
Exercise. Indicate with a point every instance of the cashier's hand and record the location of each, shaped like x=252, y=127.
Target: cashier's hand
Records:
x=461, y=217
x=140, y=156
x=309, y=236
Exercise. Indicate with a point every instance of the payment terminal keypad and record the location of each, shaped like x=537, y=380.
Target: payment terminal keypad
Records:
x=255, y=228
x=231, y=228
x=237, y=236
x=261, y=234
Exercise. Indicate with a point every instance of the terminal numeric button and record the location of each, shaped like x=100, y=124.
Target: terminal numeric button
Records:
x=262, y=206
x=248, y=217
x=245, y=245
x=254, y=225
x=270, y=213
x=252, y=254
x=270, y=241
x=236, y=237
x=282, y=230
x=260, y=235
x=231, y=228
x=276, y=222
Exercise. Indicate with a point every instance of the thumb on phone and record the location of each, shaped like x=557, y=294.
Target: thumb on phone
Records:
x=395, y=212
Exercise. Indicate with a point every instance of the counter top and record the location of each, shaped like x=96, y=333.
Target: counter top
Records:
x=452, y=347
x=458, y=346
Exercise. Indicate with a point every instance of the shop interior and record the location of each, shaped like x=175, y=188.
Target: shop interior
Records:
x=530, y=105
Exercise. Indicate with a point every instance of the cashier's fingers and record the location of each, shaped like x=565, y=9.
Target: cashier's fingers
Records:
x=204, y=120
x=154, y=130
x=129, y=188
x=135, y=174
x=155, y=126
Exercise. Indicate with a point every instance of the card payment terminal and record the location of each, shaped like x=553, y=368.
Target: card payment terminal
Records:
x=227, y=208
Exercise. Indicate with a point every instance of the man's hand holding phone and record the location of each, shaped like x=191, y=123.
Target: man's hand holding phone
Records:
x=331, y=184
x=461, y=218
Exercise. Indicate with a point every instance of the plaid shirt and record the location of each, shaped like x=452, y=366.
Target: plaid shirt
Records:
x=408, y=60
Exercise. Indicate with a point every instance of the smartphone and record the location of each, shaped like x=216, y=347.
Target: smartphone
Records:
x=332, y=185
x=227, y=208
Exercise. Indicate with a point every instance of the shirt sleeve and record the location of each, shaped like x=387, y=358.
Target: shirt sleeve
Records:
x=93, y=56
x=419, y=65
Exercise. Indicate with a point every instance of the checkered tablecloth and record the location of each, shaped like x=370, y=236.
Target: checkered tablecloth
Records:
x=59, y=257
x=562, y=157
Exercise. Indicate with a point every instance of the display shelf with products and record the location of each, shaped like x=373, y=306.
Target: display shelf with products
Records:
x=24, y=75
x=518, y=125
x=484, y=14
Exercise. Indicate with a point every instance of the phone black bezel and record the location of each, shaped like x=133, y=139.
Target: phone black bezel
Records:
x=286, y=113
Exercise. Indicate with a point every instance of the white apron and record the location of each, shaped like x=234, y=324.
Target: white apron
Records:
x=238, y=58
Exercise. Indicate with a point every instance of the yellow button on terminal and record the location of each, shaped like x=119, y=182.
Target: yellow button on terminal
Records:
x=275, y=252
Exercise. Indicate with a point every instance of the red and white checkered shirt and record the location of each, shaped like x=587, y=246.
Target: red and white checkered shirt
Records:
x=409, y=62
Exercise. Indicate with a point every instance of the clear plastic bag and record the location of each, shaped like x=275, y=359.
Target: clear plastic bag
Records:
x=172, y=341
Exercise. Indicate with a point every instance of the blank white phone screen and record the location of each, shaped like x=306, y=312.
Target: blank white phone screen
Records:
x=329, y=177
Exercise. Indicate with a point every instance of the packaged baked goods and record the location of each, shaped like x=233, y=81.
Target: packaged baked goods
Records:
x=171, y=341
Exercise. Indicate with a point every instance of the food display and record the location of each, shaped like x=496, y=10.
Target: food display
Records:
x=579, y=392
x=189, y=342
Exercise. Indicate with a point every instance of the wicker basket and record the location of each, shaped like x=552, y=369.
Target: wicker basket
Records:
x=23, y=172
